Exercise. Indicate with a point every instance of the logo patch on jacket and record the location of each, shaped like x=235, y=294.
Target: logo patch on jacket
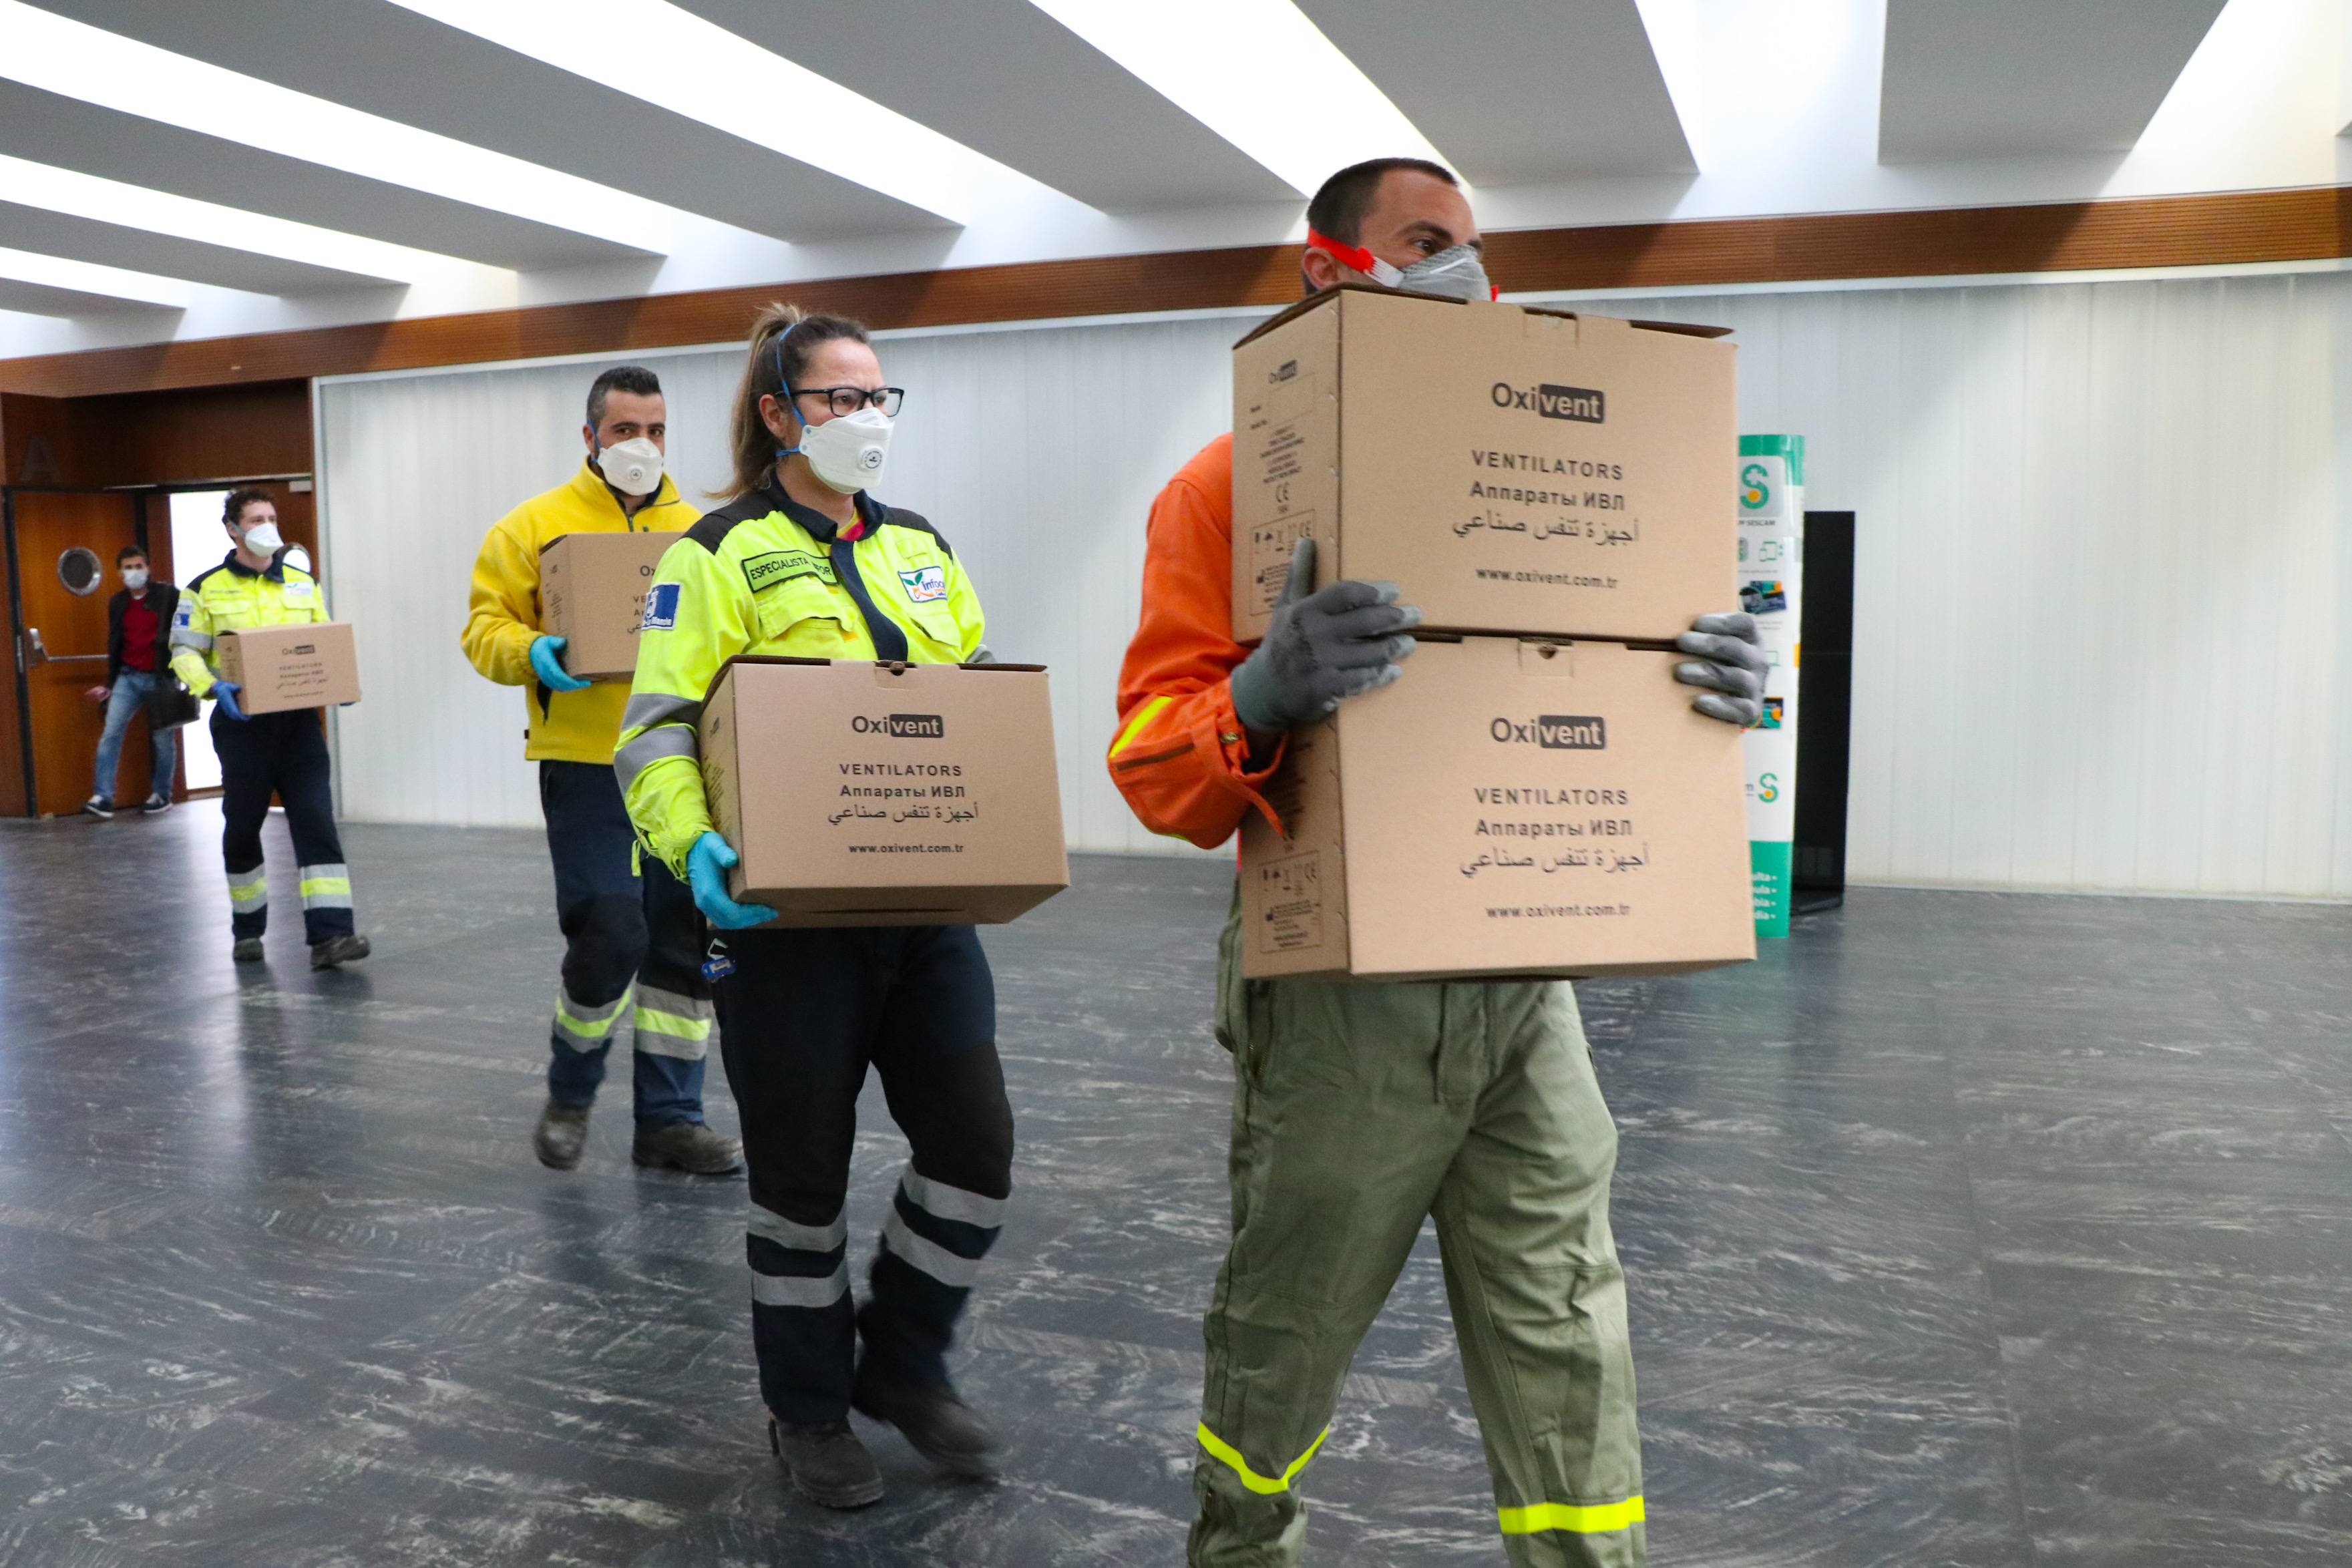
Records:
x=298, y=593
x=925, y=583
x=661, y=607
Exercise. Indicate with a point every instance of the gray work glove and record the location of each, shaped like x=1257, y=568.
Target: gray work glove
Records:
x=1733, y=670
x=1321, y=648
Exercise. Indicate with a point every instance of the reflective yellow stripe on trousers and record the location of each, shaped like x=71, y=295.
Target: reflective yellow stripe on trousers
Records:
x=1596, y=1518
x=1230, y=1456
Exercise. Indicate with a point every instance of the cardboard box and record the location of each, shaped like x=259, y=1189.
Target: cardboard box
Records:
x=1515, y=469
x=592, y=591
x=309, y=663
x=863, y=794
x=1510, y=807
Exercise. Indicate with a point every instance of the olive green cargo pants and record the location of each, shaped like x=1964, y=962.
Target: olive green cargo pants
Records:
x=1357, y=1109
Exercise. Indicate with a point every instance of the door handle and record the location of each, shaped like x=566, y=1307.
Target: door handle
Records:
x=32, y=656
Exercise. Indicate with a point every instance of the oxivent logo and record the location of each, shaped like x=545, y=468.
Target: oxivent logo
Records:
x=1554, y=731
x=903, y=726
x=1582, y=404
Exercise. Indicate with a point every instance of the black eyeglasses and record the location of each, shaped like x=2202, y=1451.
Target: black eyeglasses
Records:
x=850, y=399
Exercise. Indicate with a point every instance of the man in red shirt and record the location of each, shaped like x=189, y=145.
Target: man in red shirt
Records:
x=135, y=669
x=1360, y=1108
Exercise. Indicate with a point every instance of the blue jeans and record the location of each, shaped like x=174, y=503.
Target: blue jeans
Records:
x=130, y=695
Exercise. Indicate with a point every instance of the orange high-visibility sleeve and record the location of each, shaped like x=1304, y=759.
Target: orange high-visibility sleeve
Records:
x=1180, y=757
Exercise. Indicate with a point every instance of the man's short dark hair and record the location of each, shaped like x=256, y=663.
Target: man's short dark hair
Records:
x=232, y=505
x=1339, y=208
x=634, y=378
x=129, y=552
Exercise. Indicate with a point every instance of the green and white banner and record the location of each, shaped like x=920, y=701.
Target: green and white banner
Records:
x=1771, y=588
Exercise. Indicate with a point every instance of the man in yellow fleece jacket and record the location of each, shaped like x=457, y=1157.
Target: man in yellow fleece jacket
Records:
x=621, y=929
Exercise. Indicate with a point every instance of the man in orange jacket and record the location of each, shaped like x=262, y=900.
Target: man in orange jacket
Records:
x=1359, y=1108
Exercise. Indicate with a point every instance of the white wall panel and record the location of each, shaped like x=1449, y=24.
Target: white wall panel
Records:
x=2101, y=630
x=2123, y=512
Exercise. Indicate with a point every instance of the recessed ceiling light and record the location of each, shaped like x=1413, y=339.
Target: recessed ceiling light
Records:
x=158, y=212
x=653, y=50
x=76, y=60
x=1256, y=73
x=89, y=278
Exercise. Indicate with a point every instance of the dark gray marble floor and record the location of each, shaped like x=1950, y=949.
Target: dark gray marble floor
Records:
x=1963, y=1229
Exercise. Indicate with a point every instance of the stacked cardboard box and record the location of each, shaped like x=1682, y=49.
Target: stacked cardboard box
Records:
x=1536, y=796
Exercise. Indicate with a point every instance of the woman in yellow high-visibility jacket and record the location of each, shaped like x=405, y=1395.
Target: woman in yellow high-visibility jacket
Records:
x=803, y=1013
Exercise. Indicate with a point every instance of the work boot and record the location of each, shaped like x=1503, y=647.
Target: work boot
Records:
x=99, y=806
x=154, y=805
x=941, y=1426
x=338, y=950
x=561, y=1134
x=687, y=1146
x=247, y=950
x=826, y=1463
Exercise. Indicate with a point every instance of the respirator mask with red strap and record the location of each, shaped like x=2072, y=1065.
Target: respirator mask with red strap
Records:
x=1456, y=272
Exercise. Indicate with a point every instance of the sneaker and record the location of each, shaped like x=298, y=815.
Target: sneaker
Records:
x=826, y=1464
x=99, y=806
x=338, y=950
x=687, y=1146
x=247, y=950
x=561, y=1134
x=941, y=1426
x=154, y=805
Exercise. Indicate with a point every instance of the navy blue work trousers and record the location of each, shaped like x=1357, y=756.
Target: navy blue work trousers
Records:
x=283, y=754
x=620, y=926
x=800, y=1018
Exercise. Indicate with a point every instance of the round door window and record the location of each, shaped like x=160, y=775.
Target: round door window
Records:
x=79, y=570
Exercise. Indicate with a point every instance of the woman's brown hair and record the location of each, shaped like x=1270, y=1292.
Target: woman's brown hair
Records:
x=769, y=366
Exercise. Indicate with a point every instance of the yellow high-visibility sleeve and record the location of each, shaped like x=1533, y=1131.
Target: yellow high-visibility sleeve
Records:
x=502, y=612
x=706, y=622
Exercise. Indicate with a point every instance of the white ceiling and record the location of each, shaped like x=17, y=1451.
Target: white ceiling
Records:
x=247, y=163
x=1989, y=78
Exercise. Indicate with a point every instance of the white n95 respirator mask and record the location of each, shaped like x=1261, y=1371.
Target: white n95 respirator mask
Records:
x=632, y=467
x=848, y=452
x=263, y=536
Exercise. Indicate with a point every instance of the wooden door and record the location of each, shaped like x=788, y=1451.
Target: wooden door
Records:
x=71, y=628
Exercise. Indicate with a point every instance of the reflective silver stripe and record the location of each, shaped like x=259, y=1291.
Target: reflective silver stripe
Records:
x=247, y=886
x=585, y=1028
x=669, y=740
x=326, y=886
x=661, y=1001
x=650, y=708
x=582, y=1013
x=952, y=1203
x=799, y=1237
x=669, y=1025
x=182, y=637
x=926, y=1254
x=784, y=1290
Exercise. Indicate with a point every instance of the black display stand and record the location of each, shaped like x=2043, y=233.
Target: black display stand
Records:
x=1825, y=713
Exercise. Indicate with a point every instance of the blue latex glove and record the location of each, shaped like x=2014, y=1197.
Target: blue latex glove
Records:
x=549, y=670
x=225, y=698
x=707, y=865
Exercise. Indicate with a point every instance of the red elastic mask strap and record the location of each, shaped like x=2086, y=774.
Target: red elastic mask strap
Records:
x=1357, y=256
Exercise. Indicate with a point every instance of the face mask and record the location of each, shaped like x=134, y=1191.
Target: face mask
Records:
x=1456, y=272
x=134, y=578
x=263, y=538
x=632, y=467
x=847, y=453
